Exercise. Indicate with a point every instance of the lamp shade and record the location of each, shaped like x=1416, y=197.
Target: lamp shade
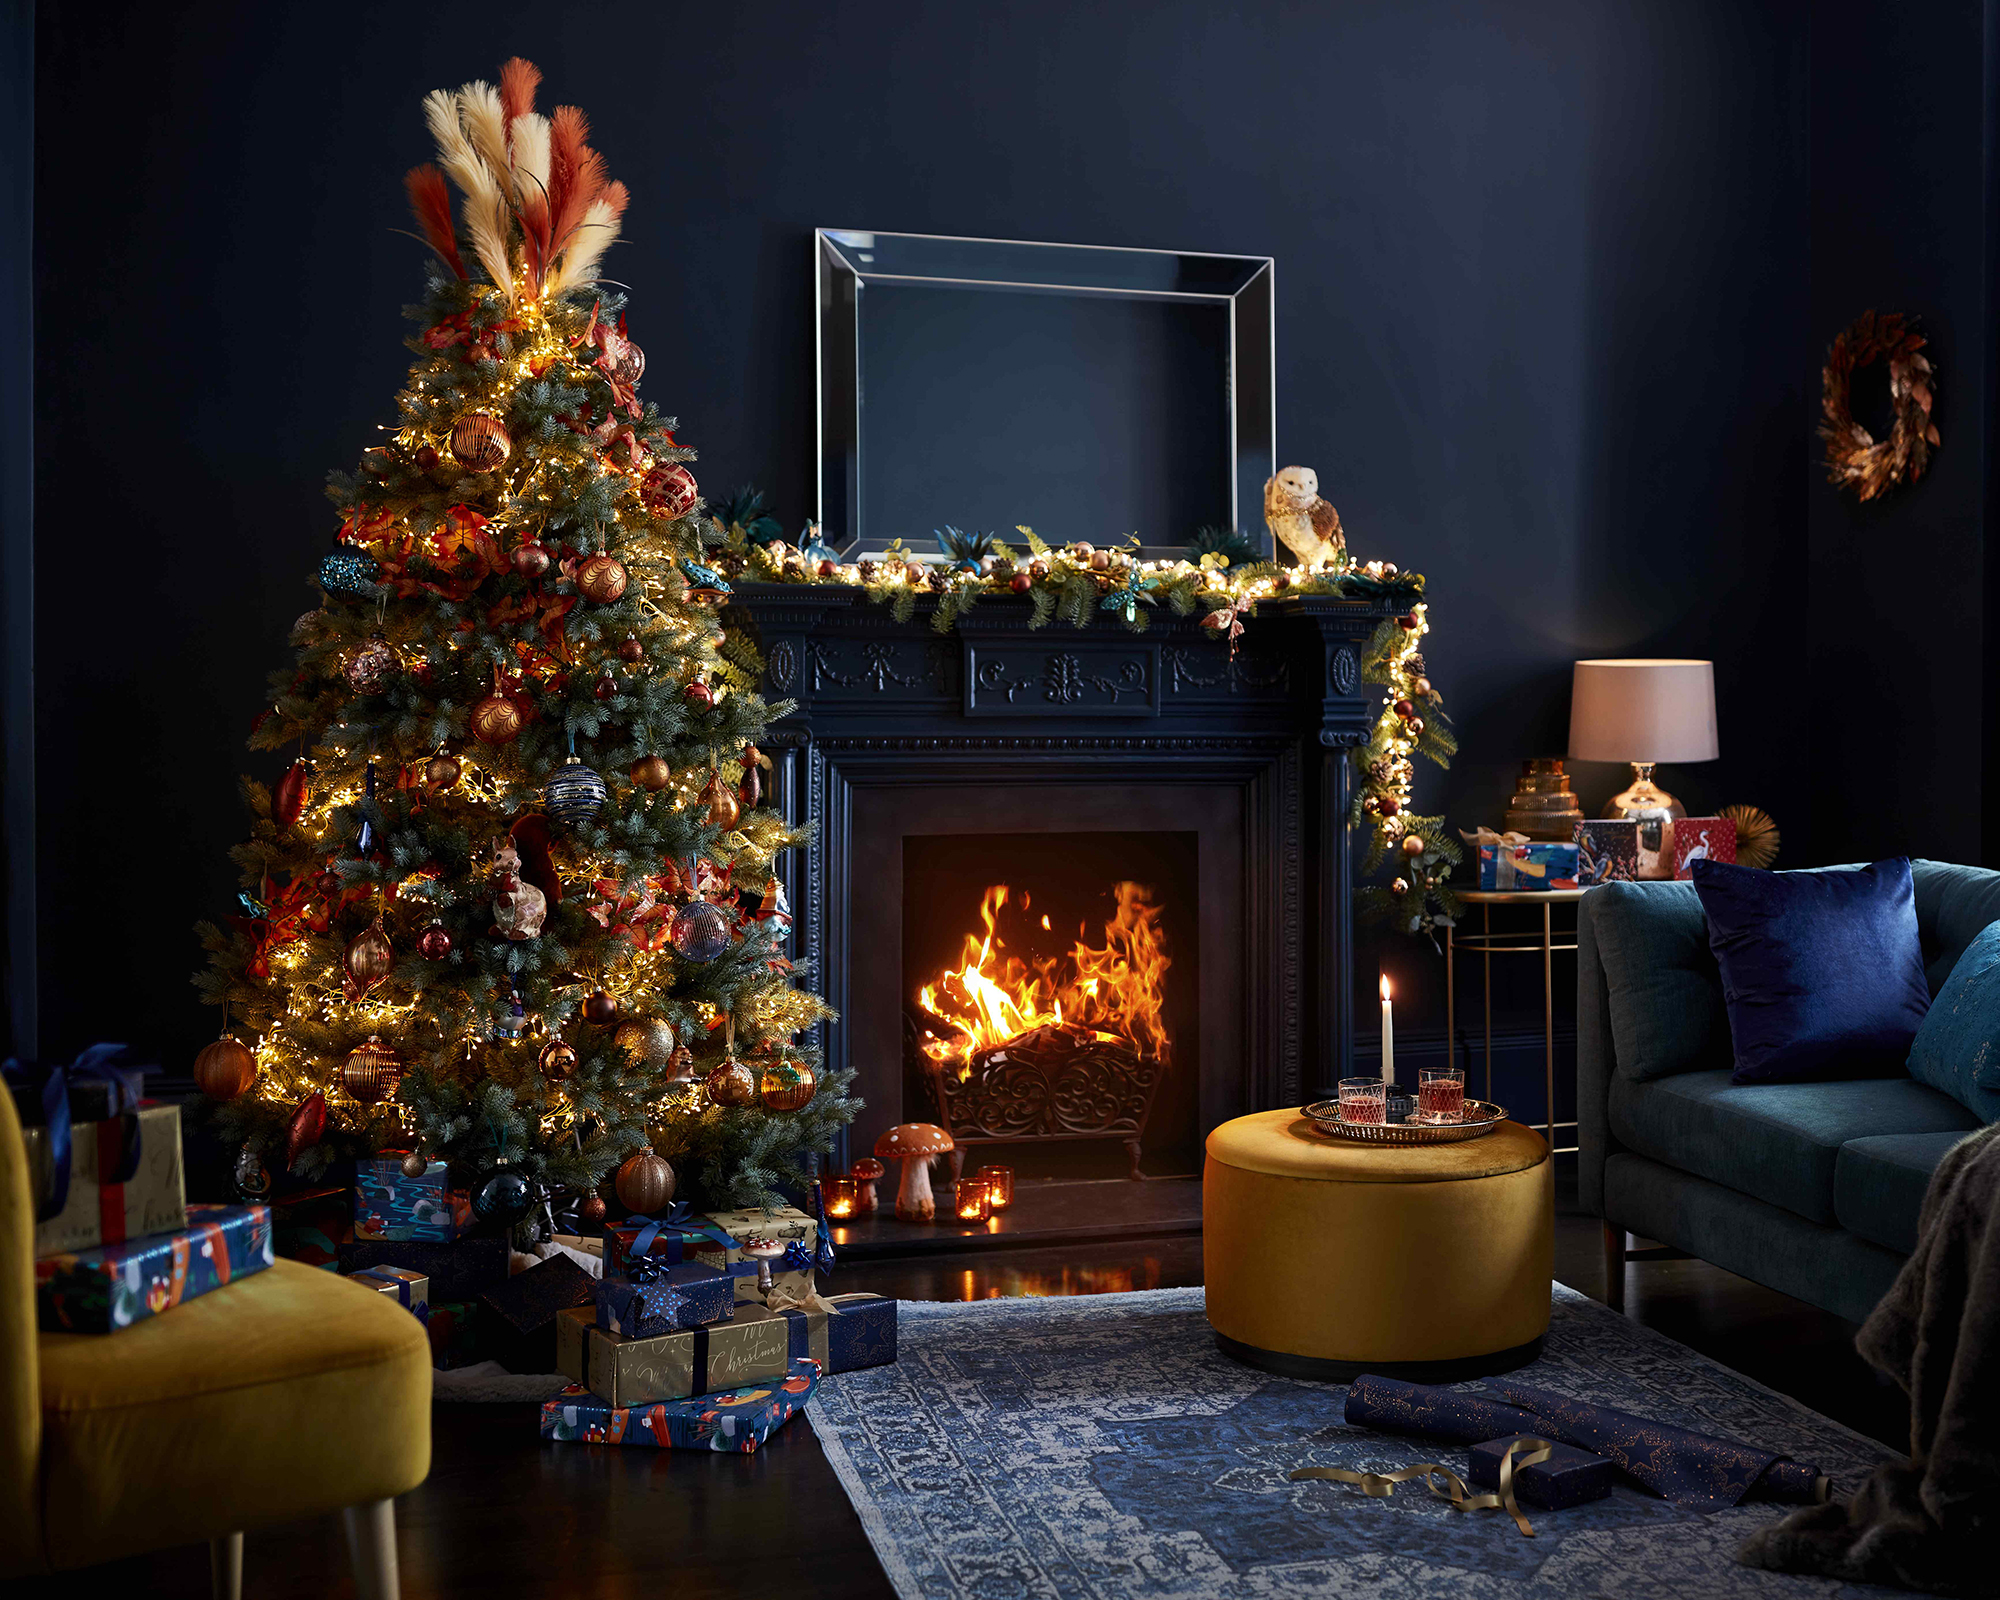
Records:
x=1643, y=710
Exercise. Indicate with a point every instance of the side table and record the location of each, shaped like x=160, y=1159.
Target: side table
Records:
x=1523, y=941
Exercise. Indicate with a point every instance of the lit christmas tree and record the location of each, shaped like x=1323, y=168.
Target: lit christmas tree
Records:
x=514, y=903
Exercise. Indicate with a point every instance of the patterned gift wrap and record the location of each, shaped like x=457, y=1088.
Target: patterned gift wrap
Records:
x=1535, y=865
x=1607, y=851
x=714, y=1239
x=1570, y=1477
x=861, y=1332
x=116, y=1285
x=1702, y=839
x=390, y=1205
x=311, y=1226
x=752, y=1346
x=98, y=1210
x=731, y=1419
x=671, y=1301
x=411, y=1290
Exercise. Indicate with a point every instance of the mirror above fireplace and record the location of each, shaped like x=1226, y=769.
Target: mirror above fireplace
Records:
x=1086, y=391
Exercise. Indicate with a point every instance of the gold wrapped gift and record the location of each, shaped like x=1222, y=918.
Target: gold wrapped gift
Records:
x=96, y=1212
x=785, y=1224
x=754, y=1344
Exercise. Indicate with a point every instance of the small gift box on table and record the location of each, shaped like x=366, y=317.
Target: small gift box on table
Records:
x=1607, y=851
x=1570, y=1477
x=389, y=1204
x=1702, y=839
x=752, y=1346
x=646, y=1298
x=518, y=1317
x=1512, y=861
x=113, y=1286
x=842, y=1332
x=411, y=1290
x=730, y=1419
x=461, y=1270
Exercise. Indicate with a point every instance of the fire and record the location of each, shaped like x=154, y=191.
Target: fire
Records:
x=1118, y=989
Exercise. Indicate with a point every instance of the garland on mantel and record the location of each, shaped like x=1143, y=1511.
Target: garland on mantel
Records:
x=1077, y=583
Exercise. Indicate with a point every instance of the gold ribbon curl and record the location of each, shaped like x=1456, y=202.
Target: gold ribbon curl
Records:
x=1380, y=1485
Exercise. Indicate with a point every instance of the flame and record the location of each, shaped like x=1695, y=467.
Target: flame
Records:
x=1118, y=990
x=1385, y=986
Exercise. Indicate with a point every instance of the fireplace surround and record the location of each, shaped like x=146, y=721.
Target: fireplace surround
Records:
x=995, y=730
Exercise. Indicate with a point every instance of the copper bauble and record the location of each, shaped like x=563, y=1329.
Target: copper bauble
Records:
x=605, y=687
x=1413, y=846
x=371, y=668
x=442, y=771
x=530, y=560
x=723, y=806
x=590, y=1210
x=557, y=1060
x=644, y=1183
x=601, y=579
x=479, y=442
x=370, y=956
x=732, y=1084
x=416, y=1164
x=698, y=695
x=652, y=772
x=434, y=943
x=631, y=649
x=371, y=1071
x=225, y=1068
x=601, y=1008
x=646, y=1040
x=787, y=1085
x=289, y=798
x=496, y=720
x=751, y=790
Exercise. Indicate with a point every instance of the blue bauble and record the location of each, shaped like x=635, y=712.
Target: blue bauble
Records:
x=700, y=930
x=575, y=794
x=351, y=573
x=502, y=1196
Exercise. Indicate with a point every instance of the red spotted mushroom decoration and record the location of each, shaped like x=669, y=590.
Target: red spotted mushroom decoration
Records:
x=916, y=1143
x=867, y=1173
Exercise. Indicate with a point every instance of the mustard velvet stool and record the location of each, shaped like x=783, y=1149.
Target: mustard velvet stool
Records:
x=1325, y=1259
x=289, y=1394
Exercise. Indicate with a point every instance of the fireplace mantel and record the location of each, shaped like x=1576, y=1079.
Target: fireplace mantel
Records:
x=995, y=708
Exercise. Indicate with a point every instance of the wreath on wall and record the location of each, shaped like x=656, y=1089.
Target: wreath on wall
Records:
x=1855, y=458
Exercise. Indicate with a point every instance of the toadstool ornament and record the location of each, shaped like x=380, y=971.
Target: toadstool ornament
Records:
x=865, y=1173
x=915, y=1143
x=762, y=1251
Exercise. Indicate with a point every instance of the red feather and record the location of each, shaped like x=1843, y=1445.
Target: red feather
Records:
x=518, y=81
x=576, y=174
x=431, y=202
x=613, y=194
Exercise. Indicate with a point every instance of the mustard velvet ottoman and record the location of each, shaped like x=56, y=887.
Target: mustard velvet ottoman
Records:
x=1325, y=1259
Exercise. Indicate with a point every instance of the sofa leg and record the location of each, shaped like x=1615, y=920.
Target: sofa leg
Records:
x=225, y=1567
x=1614, y=1267
x=371, y=1543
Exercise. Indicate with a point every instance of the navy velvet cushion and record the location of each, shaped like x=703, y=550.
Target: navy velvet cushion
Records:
x=1957, y=1050
x=1822, y=972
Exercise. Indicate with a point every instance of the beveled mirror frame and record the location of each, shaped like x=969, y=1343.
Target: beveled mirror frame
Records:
x=847, y=260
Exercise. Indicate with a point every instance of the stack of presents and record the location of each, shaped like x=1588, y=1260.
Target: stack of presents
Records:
x=1606, y=850
x=693, y=1332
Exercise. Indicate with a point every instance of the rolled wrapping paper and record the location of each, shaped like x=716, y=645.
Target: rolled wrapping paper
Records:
x=1690, y=1469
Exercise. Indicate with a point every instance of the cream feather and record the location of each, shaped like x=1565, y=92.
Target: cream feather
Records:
x=485, y=126
x=531, y=156
x=486, y=213
x=594, y=235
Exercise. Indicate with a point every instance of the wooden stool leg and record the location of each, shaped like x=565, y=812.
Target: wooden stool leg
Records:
x=371, y=1544
x=1614, y=1267
x=225, y=1567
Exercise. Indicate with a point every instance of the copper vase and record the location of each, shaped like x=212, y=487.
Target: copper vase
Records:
x=1543, y=807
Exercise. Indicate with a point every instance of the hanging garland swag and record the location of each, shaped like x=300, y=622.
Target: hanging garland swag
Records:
x=1855, y=458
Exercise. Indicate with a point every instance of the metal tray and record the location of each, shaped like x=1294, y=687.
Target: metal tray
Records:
x=1480, y=1117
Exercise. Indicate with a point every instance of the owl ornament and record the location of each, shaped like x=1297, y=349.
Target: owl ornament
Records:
x=1299, y=520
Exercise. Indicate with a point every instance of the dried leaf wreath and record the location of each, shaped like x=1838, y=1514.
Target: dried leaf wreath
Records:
x=1855, y=459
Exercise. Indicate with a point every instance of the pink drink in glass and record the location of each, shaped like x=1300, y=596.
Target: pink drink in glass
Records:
x=1441, y=1094
x=1363, y=1100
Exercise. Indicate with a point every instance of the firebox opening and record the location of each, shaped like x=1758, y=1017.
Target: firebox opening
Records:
x=1051, y=991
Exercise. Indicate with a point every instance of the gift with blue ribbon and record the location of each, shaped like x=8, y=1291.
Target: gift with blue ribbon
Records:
x=412, y=1290
x=100, y=1084
x=737, y=1419
x=673, y=1237
x=842, y=1332
x=649, y=1296
x=748, y=1346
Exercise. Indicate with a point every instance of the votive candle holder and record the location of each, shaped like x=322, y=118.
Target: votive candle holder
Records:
x=841, y=1196
x=972, y=1201
x=999, y=1183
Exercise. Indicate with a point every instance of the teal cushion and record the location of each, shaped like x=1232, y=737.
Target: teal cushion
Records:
x=1660, y=979
x=1957, y=1049
x=1776, y=1141
x=1953, y=904
x=1879, y=1184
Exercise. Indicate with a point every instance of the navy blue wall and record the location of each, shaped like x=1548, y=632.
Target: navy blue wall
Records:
x=1542, y=311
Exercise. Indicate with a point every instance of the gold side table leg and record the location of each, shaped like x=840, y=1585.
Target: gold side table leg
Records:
x=1486, y=990
x=1549, y=1020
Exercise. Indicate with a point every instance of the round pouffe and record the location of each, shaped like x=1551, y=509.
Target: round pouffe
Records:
x=1326, y=1260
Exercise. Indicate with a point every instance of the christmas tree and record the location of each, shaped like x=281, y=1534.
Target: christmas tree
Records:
x=514, y=903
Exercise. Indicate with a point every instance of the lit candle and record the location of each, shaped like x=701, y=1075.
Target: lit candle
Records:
x=1388, y=1034
x=974, y=1200
x=999, y=1183
x=839, y=1197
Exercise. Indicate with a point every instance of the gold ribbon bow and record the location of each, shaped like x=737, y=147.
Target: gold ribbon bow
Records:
x=1380, y=1485
x=788, y=1297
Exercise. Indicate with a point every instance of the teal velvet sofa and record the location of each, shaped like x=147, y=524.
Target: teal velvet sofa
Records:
x=1811, y=1188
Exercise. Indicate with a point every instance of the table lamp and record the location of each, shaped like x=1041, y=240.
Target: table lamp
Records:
x=1645, y=712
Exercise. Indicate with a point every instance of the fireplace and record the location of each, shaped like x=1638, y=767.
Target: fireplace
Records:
x=1135, y=791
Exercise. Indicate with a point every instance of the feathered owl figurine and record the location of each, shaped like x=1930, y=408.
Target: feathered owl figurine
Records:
x=1299, y=520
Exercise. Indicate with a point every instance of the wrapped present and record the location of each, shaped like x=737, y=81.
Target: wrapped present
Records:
x=389, y=1204
x=113, y=1286
x=842, y=1332
x=105, y=1081
x=1529, y=864
x=518, y=1316
x=1607, y=851
x=681, y=1236
x=453, y=1326
x=103, y=1183
x=1569, y=1477
x=729, y=1419
x=647, y=1297
x=311, y=1225
x=752, y=1345
x=461, y=1270
x=411, y=1289
x=1702, y=839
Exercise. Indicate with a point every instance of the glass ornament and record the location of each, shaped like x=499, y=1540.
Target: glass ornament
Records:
x=575, y=794
x=352, y=573
x=699, y=931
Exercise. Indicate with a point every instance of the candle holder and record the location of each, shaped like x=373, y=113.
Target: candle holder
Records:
x=999, y=1183
x=972, y=1200
x=841, y=1197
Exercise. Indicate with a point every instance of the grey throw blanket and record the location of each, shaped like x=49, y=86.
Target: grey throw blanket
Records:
x=1929, y=1525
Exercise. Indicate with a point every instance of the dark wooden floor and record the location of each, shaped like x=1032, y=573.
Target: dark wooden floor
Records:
x=503, y=1515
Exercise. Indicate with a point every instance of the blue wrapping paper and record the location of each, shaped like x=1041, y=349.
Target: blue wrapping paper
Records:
x=390, y=1205
x=676, y=1236
x=860, y=1333
x=112, y=1286
x=736, y=1420
x=649, y=1298
x=411, y=1289
x=1570, y=1477
x=1690, y=1469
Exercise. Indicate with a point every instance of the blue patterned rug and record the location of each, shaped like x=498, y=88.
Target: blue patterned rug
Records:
x=1102, y=1448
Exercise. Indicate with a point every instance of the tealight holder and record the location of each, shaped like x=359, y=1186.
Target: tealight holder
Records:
x=972, y=1200
x=999, y=1183
x=840, y=1196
